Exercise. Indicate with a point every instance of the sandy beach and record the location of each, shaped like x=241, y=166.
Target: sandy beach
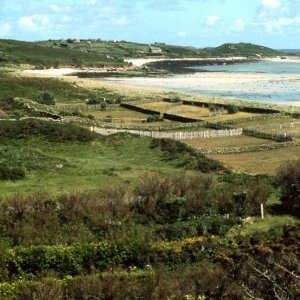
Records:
x=138, y=62
x=157, y=87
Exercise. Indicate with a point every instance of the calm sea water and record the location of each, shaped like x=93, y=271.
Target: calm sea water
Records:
x=270, y=67
x=263, y=81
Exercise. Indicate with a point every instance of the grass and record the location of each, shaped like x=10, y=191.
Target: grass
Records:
x=290, y=129
x=231, y=141
x=229, y=117
x=260, y=226
x=29, y=87
x=18, y=52
x=86, y=166
x=264, y=162
x=195, y=112
x=118, y=112
x=277, y=120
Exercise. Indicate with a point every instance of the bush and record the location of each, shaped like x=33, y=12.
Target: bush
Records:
x=288, y=177
x=232, y=109
x=154, y=118
x=11, y=173
x=50, y=130
x=186, y=156
x=45, y=98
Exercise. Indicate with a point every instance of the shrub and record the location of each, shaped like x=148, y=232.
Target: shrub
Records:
x=186, y=156
x=11, y=173
x=154, y=118
x=45, y=98
x=50, y=130
x=232, y=109
x=288, y=177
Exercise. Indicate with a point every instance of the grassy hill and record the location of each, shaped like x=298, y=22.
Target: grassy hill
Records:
x=110, y=53
x=244, y=49
x=18, y=52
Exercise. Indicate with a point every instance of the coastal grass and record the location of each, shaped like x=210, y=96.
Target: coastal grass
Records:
x=263, y=162
x=28, y=87
x=84, y=166
x=231, y=141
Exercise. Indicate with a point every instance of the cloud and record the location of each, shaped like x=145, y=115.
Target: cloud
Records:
x=59, y=8
x=212, y=20
x=5, y=29
x=121, y=21
x=238, y=25
x=280, y=23
x=181, y=34
x=92, y=2
x=271, y=3
x=34, y=22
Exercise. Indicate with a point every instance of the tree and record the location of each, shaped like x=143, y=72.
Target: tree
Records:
x=45, y=98
x=288, y=177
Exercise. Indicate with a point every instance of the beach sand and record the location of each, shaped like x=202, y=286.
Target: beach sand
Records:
x=157, y=87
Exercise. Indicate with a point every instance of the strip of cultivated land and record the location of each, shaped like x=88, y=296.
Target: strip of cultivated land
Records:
x=264, y=162
x=241, y=140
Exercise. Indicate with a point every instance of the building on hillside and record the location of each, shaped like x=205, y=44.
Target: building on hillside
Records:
x=155, y=50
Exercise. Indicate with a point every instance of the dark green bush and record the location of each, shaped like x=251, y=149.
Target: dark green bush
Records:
x=45, y=98
x=154, y=118
x=50, y=130
x=186, y=156
x=232, y=109
x=288, y=177
x=11, y=173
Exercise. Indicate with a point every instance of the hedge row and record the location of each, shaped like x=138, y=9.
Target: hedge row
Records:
x=50, y=130
x=259, y=110
x=140, y=109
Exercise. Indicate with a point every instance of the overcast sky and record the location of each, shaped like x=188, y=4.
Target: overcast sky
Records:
x=199, y=23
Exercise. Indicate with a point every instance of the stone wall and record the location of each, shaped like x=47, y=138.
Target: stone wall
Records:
x=249, y=148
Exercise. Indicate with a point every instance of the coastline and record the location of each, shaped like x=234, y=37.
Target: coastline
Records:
x=136, y=92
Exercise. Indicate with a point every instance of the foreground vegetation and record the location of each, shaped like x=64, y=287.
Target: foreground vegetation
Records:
x=83, y=216
x=135, y=235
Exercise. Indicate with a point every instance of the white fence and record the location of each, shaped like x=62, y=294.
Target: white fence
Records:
x=178, y=135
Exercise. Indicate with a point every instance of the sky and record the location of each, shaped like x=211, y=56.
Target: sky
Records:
x=198, y=23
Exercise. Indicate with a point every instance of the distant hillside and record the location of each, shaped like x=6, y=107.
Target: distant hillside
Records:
x=124, y=49
x=18, y=52
x=243, y=49
x=54, y=53
x=291, y=51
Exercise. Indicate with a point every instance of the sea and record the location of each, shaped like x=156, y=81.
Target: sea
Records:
x=270, y=81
